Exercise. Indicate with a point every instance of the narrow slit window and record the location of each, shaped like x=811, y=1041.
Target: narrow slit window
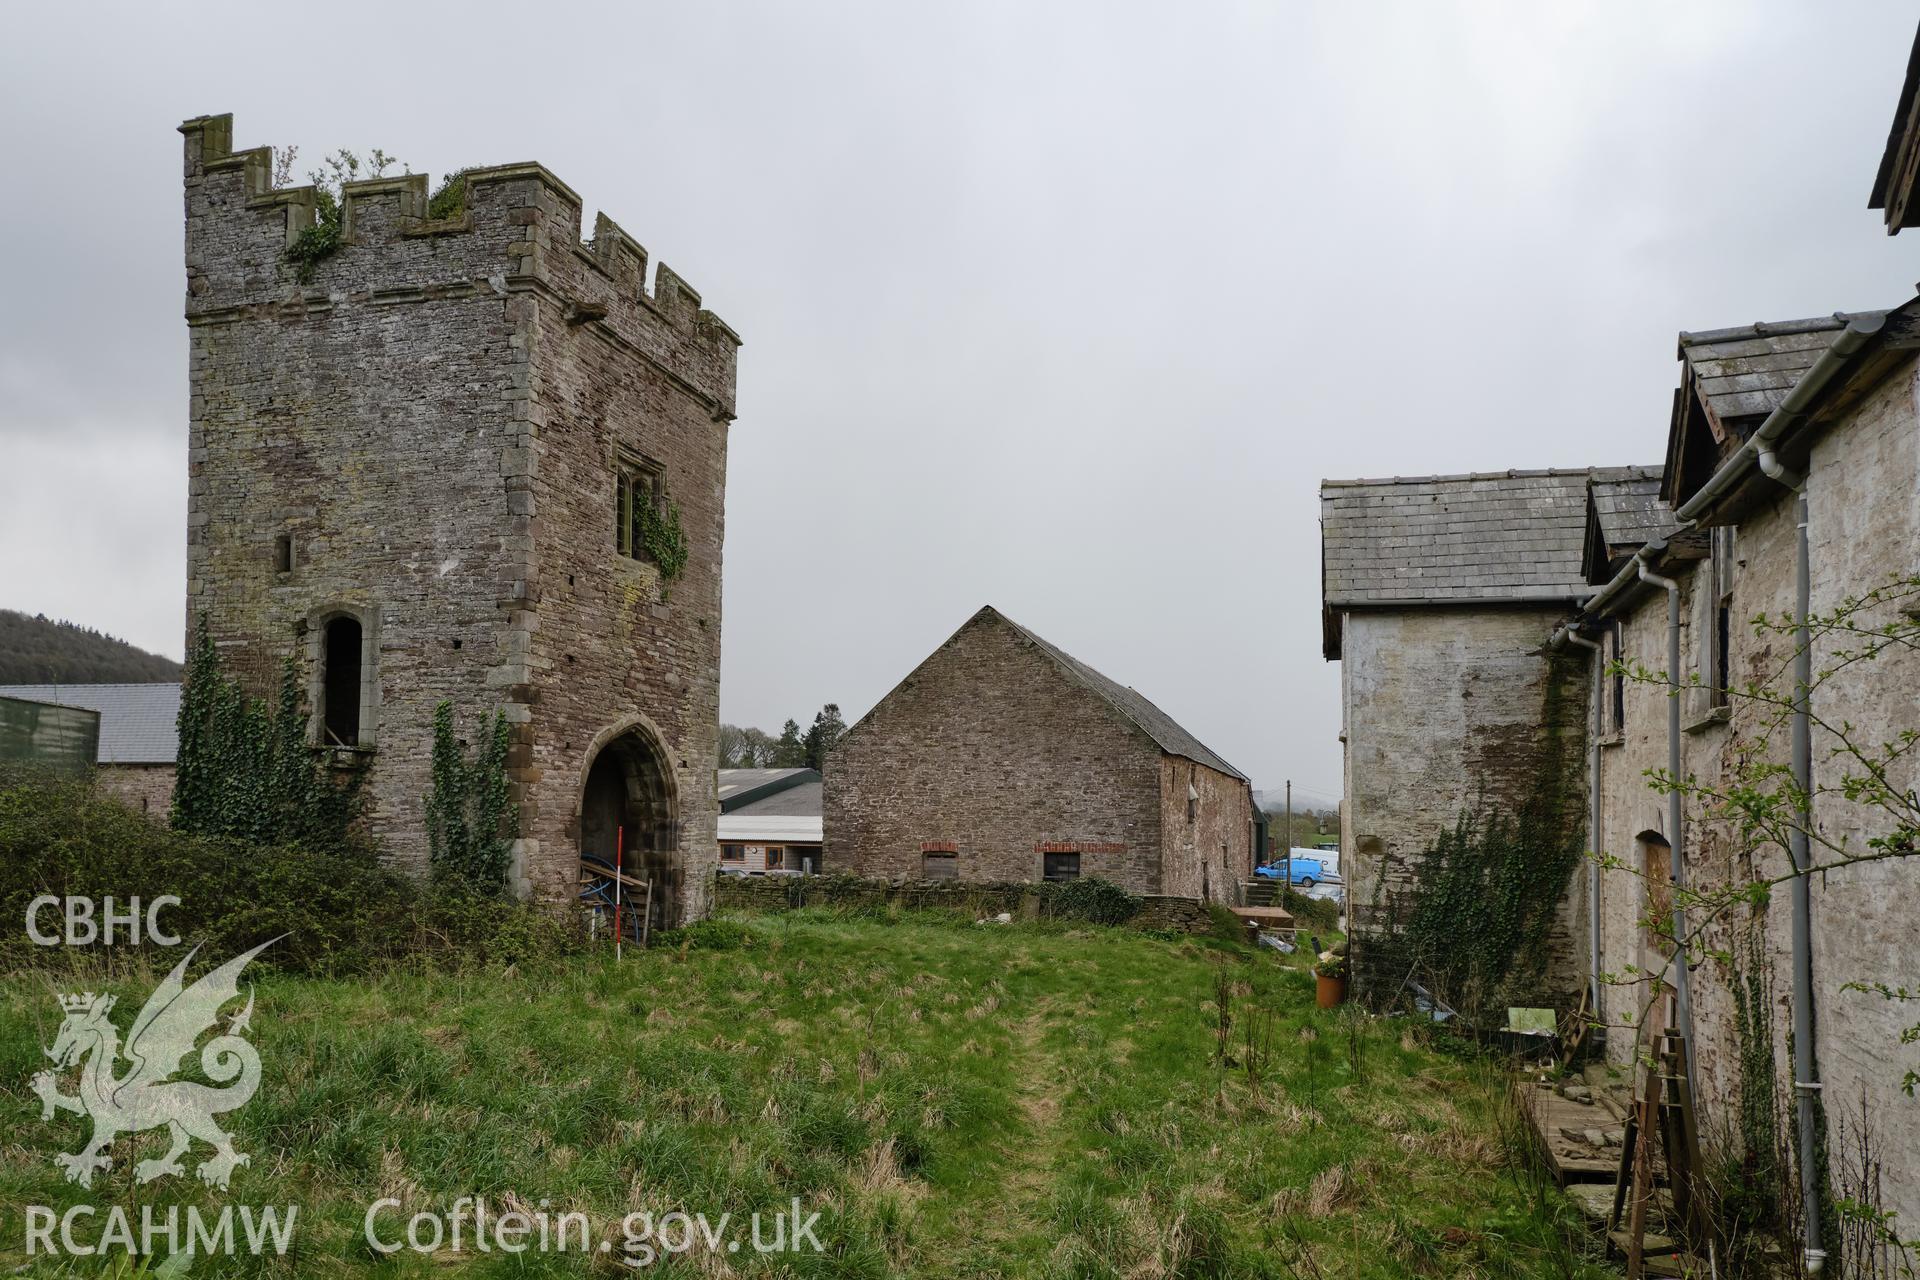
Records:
x=1619, y=680
x=283, y=553
x=1720, y=619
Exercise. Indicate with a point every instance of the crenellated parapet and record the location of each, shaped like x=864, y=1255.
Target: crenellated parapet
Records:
x=518, y=231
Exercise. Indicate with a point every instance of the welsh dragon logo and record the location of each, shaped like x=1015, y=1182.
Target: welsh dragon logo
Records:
x=145, y=1097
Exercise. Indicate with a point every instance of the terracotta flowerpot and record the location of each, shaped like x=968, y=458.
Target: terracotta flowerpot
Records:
x=1329, y=992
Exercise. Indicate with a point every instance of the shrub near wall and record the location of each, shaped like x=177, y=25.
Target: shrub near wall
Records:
x=338, y=912
x=1092, y=900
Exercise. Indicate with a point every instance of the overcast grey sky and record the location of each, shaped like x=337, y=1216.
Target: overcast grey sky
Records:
x=1064, y=308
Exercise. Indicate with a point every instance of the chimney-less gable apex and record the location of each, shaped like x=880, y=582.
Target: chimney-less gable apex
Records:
x=1623, y=515
x=1127, y=703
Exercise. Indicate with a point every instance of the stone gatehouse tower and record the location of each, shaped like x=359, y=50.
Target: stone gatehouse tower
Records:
x=422, y=469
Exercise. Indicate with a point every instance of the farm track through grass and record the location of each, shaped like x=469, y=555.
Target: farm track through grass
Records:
x=956, y=1100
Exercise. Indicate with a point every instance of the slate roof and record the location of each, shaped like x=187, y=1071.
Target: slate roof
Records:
x=1629, y=510
x=138, y=722
x=1623, y=515
x=1742, y=374
x=800, y=801
x=1130, y=703
x=742, y=787
x=1487, y=537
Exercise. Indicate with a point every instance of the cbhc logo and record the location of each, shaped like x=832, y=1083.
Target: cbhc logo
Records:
x=85, y=925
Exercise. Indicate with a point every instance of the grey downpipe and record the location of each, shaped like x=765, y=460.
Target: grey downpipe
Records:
x=1676, y=815
x=1806, y=1064
x=1593, y=823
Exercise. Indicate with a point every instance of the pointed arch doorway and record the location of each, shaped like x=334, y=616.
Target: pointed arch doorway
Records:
x=628, y=806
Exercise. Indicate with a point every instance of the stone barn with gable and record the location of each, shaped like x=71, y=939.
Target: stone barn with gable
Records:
x=466, y=457
x=1003, y=758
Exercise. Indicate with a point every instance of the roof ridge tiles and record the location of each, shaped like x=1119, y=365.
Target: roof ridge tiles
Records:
x=1516, y=473
x=1767, y=329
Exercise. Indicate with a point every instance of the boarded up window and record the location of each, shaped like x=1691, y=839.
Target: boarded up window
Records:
x=940, y=866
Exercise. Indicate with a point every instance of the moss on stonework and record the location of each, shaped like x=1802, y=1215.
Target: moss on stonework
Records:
x=1472, y=916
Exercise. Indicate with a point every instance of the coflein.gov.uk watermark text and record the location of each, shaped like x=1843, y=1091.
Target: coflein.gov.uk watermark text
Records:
x=469, y=1225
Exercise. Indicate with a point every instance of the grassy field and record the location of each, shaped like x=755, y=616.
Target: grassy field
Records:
x=953, y=1099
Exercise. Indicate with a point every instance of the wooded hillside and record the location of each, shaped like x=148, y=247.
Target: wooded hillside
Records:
x=40, y=650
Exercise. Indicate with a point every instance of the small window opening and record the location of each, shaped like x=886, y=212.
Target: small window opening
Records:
x=1720, y=663
x=340, y=683
x=283, y=553
x=456, y=642
x=639, y=486
x=1619, y=680
x=940, y=866
x=1193, y=805
x=1061, y=866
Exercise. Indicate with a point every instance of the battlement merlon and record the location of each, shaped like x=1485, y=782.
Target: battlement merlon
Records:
x=519, y=230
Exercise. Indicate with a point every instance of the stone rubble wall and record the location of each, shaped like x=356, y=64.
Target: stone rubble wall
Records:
x=989, y=749
x=1443, y=713
x=145, y=788
x=980, y=900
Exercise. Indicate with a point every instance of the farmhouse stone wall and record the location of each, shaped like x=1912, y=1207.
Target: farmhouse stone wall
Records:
x=990, y=751
x=1206, y=856
x=427, y=429
x=145, y=788
x=1864, y=530
x=1444, y=712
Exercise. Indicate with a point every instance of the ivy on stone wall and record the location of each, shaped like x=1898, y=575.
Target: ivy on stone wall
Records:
x=1473, y=912
x=244, y=767
x=471, y=820
x=1755, y=1195
x=659, y=535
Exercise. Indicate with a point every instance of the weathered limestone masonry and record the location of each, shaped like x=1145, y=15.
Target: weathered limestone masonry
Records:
x=1446, y=712
x=999, y=749
x=425, y=441
x=1863, y=475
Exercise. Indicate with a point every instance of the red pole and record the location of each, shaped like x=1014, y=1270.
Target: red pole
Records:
x=619, y=859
